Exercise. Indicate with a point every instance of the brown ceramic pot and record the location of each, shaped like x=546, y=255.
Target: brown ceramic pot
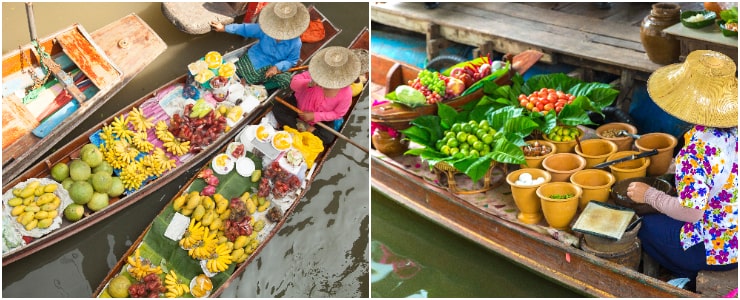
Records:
x=595, y=184
x=628, y=169
x=562, y=165
x=595, y=151
x=624, y=143
x=559, y=212
x=665, y=143
x=388, y=145
x=525, y=196
x=536, y=161
x=564, y=147
x=660, y=47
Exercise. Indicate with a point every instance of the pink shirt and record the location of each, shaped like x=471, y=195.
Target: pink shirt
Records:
x=312, y=99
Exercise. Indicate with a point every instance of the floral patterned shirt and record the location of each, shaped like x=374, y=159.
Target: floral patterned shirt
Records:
x=706, y=179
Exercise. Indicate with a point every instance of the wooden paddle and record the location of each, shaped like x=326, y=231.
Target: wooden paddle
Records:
x=339, y=135
x=64, y=78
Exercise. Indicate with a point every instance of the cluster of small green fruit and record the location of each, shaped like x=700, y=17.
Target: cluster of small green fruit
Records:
x=467, y=139
x=89, y=181
x=563, y=134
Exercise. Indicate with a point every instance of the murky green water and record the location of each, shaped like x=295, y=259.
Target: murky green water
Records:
x=321, y=251
x=434, y=262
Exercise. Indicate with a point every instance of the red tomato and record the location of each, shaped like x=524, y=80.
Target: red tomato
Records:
x=551, y=91
x=543, y=89
x=570, y=98
x=559, y=94
x=530, y=105
x=523, y=103
x=552, y=98
x=561, y=102
x=540, y=106
x=536, y=109
x=548, y=106
x=522, y=97
x=558, y=108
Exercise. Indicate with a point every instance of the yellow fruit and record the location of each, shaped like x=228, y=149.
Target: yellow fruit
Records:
x=242, y=258
x=50, y=206
x=259, y=225
x=240, y=242
x=31, y=225
x=237, y=252
x=199, y=212
x=225, y=215
x=216, y=224
x=45, y=198
x=208, y=218
x=15, y=202
x=44, y=223
x=41, y=215
x=18, y=210
x=32, y=208
x=251, y=207
x=207, y=202
x=28, y=200
x=264, y=206
x=52, y=214
x=179, y=202
x=50, y=188
x=17, y=192
x=186, y=211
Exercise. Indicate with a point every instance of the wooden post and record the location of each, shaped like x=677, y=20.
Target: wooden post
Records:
x=435, y=41
x=484, y=49
x=626, y=82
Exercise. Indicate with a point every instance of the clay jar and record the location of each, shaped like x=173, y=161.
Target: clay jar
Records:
x=536, y=161
x=562, y=165
x=660, y=47
x=624, y=143
x=595, y=151
x=664, y=143
x=628, y=169
x=559, y=212
x=564, y=147
x=525, y=196
x=388, y=145
x=595, y=184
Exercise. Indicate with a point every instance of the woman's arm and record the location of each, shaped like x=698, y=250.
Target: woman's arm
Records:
x=664, y=203
x=293, y=54
x=247, y=30
x=300, y=82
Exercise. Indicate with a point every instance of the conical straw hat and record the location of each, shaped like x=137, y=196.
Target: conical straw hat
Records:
x=284, y=20
x=364, y=57
x=334, y=67
x=702, y=90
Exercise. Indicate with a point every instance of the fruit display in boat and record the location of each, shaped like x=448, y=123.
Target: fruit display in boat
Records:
x=81, y=192
x=467, y=139
x=35, y=205
x=60, y=172
x=118, y=287
x=79, y=170
x=432, y=84
x=74, y=212
x=91, y=155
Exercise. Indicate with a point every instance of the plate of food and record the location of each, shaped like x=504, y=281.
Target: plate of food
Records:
x=245, y=166
x=222, y=164
x=698, y=18
x=282, y=141
x=263, y=132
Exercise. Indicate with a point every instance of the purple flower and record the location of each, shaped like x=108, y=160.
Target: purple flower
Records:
x=734, y=167
x=722, y=256
x=686, y=166
x=700, y=127
x=724, y=196
x=709, y=150
x=733, y=242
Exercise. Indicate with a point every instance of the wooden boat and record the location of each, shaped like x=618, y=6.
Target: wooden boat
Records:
x=489, y=219
x=287, y=204
x=393, y=74
x=72, y=150
x=195, y=17
x=110, y=57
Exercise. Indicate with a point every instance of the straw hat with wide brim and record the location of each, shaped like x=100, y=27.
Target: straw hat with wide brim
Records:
x=334, y=67
x=284, y=20
x=702, y=90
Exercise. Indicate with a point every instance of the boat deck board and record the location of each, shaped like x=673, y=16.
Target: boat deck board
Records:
x=575, y=33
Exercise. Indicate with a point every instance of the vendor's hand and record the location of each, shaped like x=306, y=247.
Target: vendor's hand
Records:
x=306, y=116
x=217, y=26
x=636, y=191
x=272, y=71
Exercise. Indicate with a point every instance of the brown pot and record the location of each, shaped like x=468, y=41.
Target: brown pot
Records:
x=388, y=145
x=660, y=47
x=595, y=151
x=665, y=143
x=536, y=161
x=624, y=143
x=525, y=196
x=559, y=212
x=595, y=184
x=628, y=169
x=562, y=165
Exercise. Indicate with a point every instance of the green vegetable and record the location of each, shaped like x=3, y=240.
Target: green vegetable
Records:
x=729, y=15
x=560, y=196
x=409, y=96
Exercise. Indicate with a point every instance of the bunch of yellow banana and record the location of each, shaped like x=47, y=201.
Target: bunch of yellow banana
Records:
x=220, y=260
x=140, y=142
x=119, y=153
x=35, y=205
x=152, y=165
x=206, y=247
x=107, y=135
x=177, y=147
x=120, y=128
x=133, y=175
x=193, y=235
x=140, y=269
x=167, y=162
x=161, y=130
x=140, y=122
x=174, y=287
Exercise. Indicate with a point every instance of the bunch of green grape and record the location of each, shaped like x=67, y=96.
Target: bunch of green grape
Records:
x=431, y=84
x=467, y=139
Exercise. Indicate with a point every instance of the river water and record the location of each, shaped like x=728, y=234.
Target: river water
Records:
x=323, y=249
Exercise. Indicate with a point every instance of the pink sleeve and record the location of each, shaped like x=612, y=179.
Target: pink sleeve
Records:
x=340, y=109
x=299, y=82
x=671, y=206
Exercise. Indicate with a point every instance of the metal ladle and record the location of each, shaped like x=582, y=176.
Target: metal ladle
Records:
x=625, y=133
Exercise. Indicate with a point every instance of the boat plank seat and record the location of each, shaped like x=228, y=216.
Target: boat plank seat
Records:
x=713, y=284
x=195, y=17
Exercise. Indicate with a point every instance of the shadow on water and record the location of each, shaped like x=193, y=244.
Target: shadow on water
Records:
x=320, y=252
x=414, y=257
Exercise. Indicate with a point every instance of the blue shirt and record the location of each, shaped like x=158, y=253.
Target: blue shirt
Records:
x=268, y=51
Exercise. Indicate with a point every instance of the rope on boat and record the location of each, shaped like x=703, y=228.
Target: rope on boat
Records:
x=33, y=91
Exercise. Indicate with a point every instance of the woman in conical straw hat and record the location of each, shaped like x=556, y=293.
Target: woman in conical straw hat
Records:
x=698, y=229
x=278, y=48
x=323, y=92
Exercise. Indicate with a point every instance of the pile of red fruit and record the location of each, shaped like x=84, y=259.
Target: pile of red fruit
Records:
x=151, y=287
x=283, y=182
x=201, y=132
x=238, y=222
x=545, y=100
